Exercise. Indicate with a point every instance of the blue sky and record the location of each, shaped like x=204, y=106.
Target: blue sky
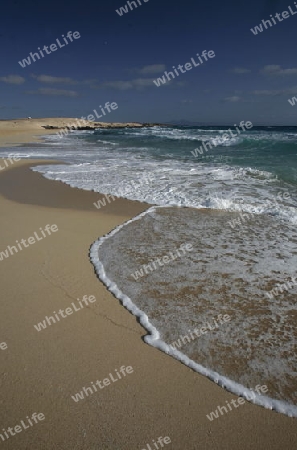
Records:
x=117, y=58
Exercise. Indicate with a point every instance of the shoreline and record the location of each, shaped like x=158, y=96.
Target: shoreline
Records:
x=15, y=132
x=163, y=397
x=153, y=335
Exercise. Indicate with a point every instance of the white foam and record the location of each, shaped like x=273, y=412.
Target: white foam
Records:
x=153, y=338
x=106, y=142
x=202, y=186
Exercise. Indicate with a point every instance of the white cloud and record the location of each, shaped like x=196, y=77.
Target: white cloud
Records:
x=51, y=91
x=13, y=79
x=274, y=92
x=277, y=70
x=154, y=68
x=52, y=80
x=142, y=82
x=138, y=83
x=240, y=70
x=233, y=99
x=267, y=92
x=121, y=85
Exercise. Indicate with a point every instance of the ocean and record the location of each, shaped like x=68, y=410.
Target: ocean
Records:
x=235, y=203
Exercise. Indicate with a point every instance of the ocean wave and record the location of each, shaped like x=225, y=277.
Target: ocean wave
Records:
x=107, y=142
x=155, y=337
x=204, y=186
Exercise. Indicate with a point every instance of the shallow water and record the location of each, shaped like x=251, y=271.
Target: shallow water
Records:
x=229, y=271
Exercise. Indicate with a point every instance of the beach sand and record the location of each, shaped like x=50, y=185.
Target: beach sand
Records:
x=40, y=371
x=13, y=132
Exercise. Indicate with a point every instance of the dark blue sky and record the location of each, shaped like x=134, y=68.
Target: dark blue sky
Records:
x=115, y=57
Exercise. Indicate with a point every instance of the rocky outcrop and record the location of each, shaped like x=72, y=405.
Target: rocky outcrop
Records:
x=94, y=125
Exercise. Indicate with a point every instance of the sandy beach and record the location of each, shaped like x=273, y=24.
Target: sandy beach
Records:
x=42, y=370
x=27, y=130
x=17, y=131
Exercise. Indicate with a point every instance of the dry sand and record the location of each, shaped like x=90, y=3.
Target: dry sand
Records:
x=41, y=370
x=17, y=131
